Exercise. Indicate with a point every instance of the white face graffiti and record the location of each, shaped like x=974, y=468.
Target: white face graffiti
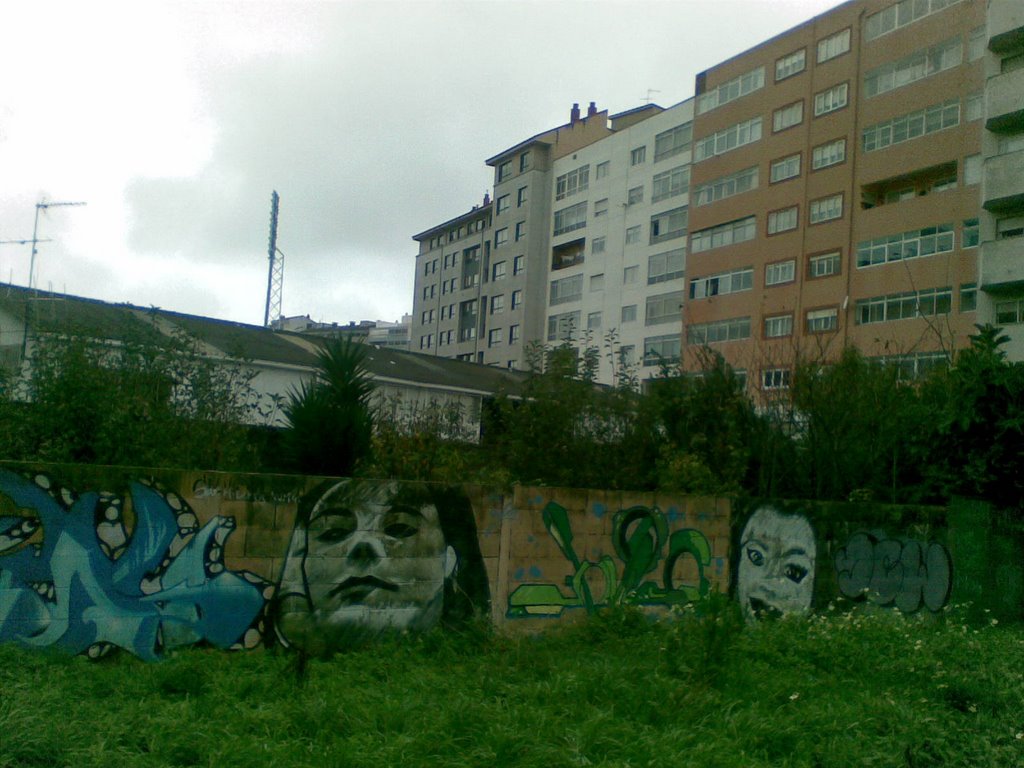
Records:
x=373, y=559
x=776, y=565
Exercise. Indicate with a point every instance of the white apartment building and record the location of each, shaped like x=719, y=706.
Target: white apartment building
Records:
x=584, y=240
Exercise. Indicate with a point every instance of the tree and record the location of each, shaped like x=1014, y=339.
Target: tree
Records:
x=138, y=398
x=330, y=422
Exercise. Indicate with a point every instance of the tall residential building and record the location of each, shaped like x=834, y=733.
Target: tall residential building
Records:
x=835, y=190
x=857, y=180
x=584, y=240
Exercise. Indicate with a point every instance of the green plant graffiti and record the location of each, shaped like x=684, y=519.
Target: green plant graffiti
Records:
x=640, y=535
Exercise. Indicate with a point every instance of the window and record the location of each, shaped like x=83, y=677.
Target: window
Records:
x=976, y=43
x=787, y=116
x=522, y=197
x=594, y=321
x=727, y=139
x=778, y=326
x=467, y=320
x=564, y=326
x=471, y=267
x=428, y=317
x=1010, y=142
x=660, y=350
x=932, y=119
x=520, y=230
x=906, y=245
x=602, y=169
x=782, y=221
x=971, y=234
x=429, y=291
x=568, y=254
x=504, y=170
x=780, y=272
x=1010, y=312
x=822, y=320
x=734, y=329
x=566, y=289
x=918, y=65
x=785, y=168
x=597, y=245
x=517, y=299
x=723, y=283
x=426, y=342
x=731, y=90
x=498, y=304
x=968, y=297
x=823, y=264
x=775, y=378
x=974, y=106
x=833, y=46
x=1009, y=226
x=722, y=235
x=826, y=209
x=669, y=225
x=790, y=65
x=666, y=266
x=572, y=218
x=513, y=334
x=726, y=186
x=630, y=275
x=670, y=183
x=600, y=207
x=972, y=170
x=633, y=235
x=637, y=155
x=518, y=265
x=494, y=337
x=903, y=306
x=635, y=195
x=664, y=308
x=627, y=355
x=597, y=283
x=672, y=141
x=629, y=313
x=831, y=99
x=901, y=14
x=828, y=154
x=573, y=182
x=524, y=161
x=500, y=237
x=498, y=271
x=503, y=204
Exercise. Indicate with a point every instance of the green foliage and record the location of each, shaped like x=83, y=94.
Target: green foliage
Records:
x=829, y=692
x=146, y=399
x=330, y=421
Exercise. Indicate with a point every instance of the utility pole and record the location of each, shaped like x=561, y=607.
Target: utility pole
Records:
x=275, y=273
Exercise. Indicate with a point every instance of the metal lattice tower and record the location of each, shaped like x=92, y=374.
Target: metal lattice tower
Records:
x=275, y=274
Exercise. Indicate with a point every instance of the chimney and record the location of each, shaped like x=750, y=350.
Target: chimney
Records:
x=574, y=115
x=487, y=199
x=592, y=109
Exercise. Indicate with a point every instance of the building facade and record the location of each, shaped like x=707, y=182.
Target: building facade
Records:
x=857, y=180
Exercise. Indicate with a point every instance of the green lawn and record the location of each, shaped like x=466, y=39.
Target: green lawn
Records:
x=616, y=691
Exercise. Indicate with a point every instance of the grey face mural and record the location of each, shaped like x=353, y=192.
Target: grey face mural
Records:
x=776, y=565
x=370, y=558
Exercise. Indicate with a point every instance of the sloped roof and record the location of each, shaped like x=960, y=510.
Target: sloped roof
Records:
x=60, y=313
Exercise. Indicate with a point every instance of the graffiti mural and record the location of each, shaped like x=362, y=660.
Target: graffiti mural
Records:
x=369, y=557
x=640, y=535
x=75, y=576
x=895, y=572
x=775, y=574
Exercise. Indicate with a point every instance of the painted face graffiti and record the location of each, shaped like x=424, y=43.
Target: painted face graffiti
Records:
x=372, y=558
x=776, y=565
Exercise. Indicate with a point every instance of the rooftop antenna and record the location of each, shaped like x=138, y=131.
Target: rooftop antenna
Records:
x=647, y=99
x=275, y=274
x=41, y=206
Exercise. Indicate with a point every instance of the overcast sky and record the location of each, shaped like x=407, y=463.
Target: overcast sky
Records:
x=175, y=121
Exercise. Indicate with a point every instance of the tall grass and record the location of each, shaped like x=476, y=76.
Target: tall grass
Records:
x=617, y=690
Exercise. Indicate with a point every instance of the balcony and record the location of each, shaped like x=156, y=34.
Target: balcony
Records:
x=1005, y=25
x=1004, y=107
x=1002, y=264
x=1003, y=182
